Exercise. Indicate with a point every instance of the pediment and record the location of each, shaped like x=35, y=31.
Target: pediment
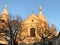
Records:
x=32, y=18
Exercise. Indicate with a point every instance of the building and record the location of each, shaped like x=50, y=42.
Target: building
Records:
x=31, y=26
x=3, y=26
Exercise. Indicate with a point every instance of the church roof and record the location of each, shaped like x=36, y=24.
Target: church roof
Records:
x=30, y=17
x=40, y=16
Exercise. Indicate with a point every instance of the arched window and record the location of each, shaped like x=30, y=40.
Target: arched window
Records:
x=32, y=32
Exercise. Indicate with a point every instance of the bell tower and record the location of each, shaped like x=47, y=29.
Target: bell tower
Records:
x=41, y=16
x=5, y=14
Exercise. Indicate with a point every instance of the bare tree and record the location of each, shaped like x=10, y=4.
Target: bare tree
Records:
x=45, y=34
x=14, y=26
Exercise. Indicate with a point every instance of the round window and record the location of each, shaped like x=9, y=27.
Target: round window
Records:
x=32, y=20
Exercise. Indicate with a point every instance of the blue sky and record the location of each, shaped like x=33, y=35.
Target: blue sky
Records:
x=51, y=9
